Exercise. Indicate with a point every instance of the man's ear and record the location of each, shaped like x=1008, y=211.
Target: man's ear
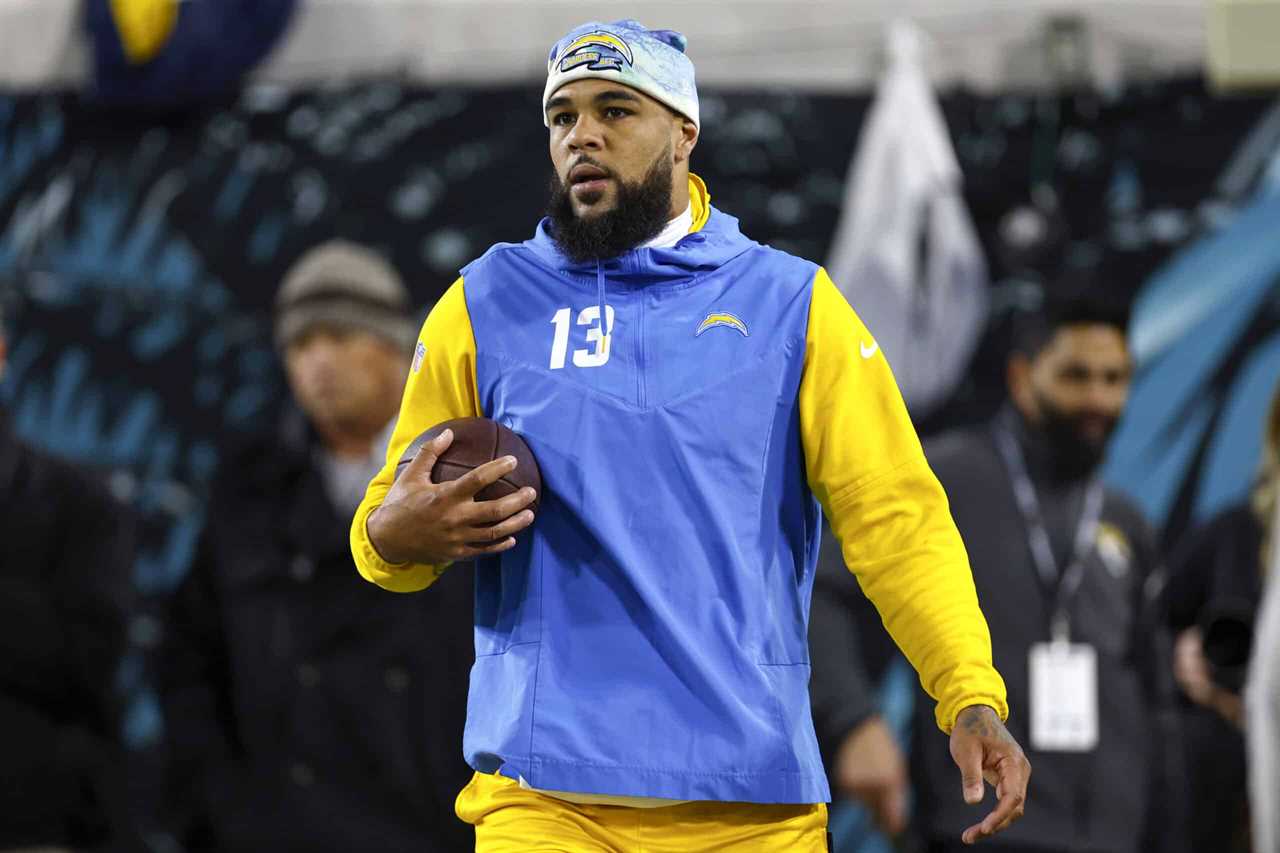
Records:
x=686, y=140
x=1018, y=379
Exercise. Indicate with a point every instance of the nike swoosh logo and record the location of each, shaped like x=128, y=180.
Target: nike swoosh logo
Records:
x=868, y=351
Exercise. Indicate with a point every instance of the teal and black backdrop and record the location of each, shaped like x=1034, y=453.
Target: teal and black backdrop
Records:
x=139, y=253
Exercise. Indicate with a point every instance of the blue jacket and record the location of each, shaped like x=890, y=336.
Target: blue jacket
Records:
x=648, y=635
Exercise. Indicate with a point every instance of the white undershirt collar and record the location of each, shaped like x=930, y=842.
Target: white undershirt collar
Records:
x=675, y=231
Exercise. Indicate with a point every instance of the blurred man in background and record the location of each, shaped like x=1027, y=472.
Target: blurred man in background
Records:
x=306, y=710
x=65, y=600
x=1065, y=569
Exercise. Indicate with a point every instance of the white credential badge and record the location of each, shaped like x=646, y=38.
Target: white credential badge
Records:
x=1064, y=697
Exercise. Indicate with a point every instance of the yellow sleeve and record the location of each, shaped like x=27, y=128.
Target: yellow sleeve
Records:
x=865, y=465
x=441, y=386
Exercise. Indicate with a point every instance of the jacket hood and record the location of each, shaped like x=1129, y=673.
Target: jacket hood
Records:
x=713, y=241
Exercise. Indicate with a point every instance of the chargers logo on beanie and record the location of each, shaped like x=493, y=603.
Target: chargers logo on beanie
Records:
x=599, y=51
x=629, y=53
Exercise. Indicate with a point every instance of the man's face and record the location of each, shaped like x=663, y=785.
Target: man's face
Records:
x=344, y=380
x=1075, y=390
x=604, y=133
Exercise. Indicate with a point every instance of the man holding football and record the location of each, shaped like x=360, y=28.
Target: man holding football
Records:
x=695, y=401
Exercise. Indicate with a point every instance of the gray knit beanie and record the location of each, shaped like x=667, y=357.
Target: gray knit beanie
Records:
x=345, y=285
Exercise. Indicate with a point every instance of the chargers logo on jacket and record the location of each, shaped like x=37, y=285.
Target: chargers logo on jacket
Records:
x=599, y=51
x=721, y=318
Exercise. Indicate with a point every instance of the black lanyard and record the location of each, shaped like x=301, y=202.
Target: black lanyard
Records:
x=1061, y=587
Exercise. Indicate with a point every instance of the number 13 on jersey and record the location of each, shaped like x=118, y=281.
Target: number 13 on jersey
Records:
x=589, y=316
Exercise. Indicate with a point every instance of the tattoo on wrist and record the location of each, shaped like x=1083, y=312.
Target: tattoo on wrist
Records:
x=981, y=721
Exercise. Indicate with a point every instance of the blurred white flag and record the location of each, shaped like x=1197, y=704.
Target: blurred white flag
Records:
x=926, y=308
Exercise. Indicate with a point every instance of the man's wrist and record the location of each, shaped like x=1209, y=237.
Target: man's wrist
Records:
x=978, y=718
x=372, y=531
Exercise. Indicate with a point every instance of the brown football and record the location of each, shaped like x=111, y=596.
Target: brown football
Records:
x=475, y=442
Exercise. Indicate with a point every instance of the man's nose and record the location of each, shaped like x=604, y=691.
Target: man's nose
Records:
x=585, y=134
x=1104, y=397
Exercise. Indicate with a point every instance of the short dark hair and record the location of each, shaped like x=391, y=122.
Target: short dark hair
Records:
x=1033, y=331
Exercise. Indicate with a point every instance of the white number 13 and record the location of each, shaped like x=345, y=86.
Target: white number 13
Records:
x=589, y=316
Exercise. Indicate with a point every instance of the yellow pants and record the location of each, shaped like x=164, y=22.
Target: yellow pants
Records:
x=510, y=819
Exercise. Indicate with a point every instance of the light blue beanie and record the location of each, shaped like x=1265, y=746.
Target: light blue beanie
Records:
x=652, y=61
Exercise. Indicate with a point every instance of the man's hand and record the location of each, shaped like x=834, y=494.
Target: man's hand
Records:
x=1191, y=671
x=870, y=768
x=424, y=522
x=983, y=749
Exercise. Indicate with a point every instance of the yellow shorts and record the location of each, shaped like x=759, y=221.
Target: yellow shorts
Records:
x=510, y=819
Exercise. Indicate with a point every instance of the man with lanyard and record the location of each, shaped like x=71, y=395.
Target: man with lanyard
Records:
x=692, y=398
x=1066, y=569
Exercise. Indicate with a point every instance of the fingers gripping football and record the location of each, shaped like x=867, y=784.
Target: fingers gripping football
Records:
x=454, y=498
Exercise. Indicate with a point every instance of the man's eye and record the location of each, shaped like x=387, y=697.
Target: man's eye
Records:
x=616, y=112
x=562, y=119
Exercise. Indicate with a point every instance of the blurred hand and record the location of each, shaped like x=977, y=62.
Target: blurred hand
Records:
x=424, y=522
x=870, y=769
x=1191, y=671
x=983, y=749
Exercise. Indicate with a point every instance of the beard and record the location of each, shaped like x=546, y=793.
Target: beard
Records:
x=1075, y=452
x=640, y=211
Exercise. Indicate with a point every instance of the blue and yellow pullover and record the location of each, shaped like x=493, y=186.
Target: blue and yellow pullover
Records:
x=647, y=637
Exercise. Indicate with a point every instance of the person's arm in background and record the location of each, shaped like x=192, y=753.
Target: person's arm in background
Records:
x=1186, y=590
x=433, y=524
x=96, y=603
x=1203, y=576
x=867, y=468
x=1164, y=824
x=63, y=629
x=195, y=690
x=1185, y=597
x=857, y=744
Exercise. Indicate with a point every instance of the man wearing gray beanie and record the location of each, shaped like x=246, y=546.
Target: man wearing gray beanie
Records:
x=275, y=644
x=343, y=326
x=344, y=285
x=696, y=402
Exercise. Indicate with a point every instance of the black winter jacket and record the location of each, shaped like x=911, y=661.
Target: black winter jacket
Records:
x=66, y=549
x=309, y=710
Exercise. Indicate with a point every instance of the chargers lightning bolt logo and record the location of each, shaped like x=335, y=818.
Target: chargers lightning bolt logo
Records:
x=599, y=51
x=721, y=318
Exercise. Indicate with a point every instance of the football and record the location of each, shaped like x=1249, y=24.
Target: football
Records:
x=475, y=442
